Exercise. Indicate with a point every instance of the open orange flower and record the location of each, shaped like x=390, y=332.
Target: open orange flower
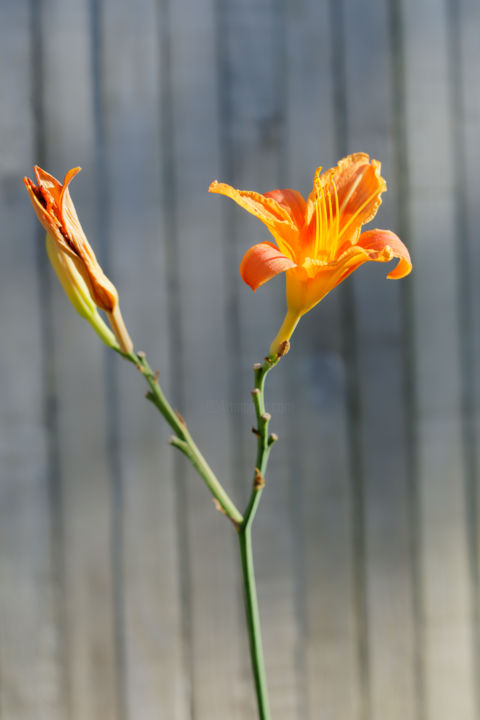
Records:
x=318, y=241
x=73, y=259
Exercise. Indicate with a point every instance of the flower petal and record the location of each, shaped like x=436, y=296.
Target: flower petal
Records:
x=45, y=209
x=48, y=182
x=278, y=215
x=66, y=207
x=292, y=201
x=261, y=263
x=382, y=246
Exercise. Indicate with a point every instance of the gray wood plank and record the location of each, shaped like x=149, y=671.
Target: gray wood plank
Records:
x=30, y=646
x=447, y=612
x=80, y=381
x=219, y=689
x=465, y=104
x=135, y=142
x=254, y=117
x=320, y=384
x=380, y=384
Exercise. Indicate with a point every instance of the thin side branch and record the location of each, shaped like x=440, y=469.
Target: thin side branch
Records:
x=182, y=439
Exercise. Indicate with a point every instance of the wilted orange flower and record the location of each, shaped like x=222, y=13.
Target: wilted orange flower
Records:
x=72, y=257
x=318, y=241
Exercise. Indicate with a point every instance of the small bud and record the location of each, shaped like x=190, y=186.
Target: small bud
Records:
x=254, y=392
x=259, y=480
x=256, y=432
x=266, y=417
x=272, y=438
x=257, y=366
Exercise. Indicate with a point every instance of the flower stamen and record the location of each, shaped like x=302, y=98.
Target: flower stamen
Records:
x=318, y=222
x=337, y=212
x=327, y=220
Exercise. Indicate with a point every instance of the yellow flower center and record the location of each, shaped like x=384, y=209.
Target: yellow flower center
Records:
x=312, y=266
x=334, y=220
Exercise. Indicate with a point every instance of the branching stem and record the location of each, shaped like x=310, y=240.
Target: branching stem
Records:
x=183, y=441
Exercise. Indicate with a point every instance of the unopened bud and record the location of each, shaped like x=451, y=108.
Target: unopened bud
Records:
x=72, y=258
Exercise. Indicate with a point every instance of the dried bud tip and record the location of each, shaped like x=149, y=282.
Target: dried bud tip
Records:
x=283, y=348
x=156, y=375
x=259, y=480
x=257, y=366
x=254, y=392
x=218, y=506
x=141, y=355
x=172, y=439
x=180, y=417
x=266, y=416
x=255, y=431
x=273, y=438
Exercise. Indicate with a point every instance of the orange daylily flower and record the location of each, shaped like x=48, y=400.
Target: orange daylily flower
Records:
x=318, y=241
x=73, y=258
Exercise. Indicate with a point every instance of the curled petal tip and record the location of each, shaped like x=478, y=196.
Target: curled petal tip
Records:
x=401, y=270
x=71, y=174
x=378, y=242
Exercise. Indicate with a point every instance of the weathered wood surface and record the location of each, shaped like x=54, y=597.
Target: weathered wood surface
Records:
x=120, y=596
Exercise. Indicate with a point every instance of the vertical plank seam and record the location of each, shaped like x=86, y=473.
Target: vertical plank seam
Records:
x=465, y=322
x=232, y=307
x=47, y=360
x=296, y=489
x=115, y=470
x=353, y=400
x=399, y=100
x=174, y=318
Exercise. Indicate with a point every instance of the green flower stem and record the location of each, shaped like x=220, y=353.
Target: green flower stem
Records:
x=265, y=440
x=182, y=438
x=253, y=622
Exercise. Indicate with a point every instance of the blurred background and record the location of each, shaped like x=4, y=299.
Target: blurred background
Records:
x=120, y=595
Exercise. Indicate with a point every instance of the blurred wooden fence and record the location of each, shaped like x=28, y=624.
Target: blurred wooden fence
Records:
x=119, y=587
